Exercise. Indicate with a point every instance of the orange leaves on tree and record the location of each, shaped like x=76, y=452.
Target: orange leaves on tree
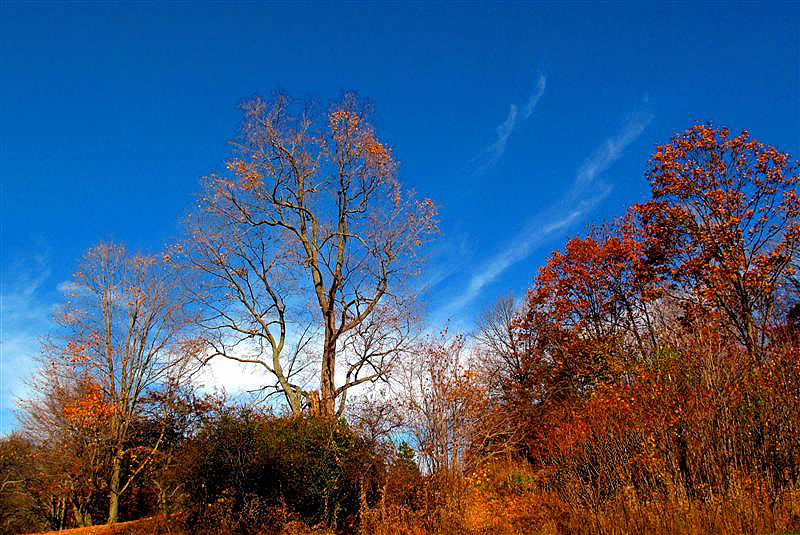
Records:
x=89, y=406
x=79, y=355
x=343, y=121
x=722, y=225
x=356, y=144
x=86, y=405
x=248, y=175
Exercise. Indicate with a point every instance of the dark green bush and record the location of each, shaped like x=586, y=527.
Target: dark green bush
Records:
x=245, y=471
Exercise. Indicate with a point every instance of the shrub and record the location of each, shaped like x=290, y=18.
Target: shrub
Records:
x=247, y=471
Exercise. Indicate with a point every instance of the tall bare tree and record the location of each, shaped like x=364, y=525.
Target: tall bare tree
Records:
x=308, y=241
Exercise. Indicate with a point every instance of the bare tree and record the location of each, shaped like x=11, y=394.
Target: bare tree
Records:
x=499, y=348
x=248, y=295
x=447, y=410
x=122, y=342
x=312, y=237
x=372, y=348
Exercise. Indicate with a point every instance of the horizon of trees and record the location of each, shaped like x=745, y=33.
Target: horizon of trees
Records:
x=654, y=358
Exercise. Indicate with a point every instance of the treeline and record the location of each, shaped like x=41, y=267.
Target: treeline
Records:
x=649, y=382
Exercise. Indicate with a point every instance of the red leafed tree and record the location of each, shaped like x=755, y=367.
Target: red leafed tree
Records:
x=719, y=239
x=307, y=245
x=585, y=321
x=722, y=227
x=597, y=288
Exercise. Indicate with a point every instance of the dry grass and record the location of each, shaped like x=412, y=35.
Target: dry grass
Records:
x=507, y=499
x=152, y=526
x=174, y=526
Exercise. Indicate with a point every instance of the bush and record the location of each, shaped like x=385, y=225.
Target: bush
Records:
x=247, y=471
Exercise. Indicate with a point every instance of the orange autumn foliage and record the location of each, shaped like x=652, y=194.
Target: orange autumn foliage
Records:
x=722, y=227
x=86, y=404
x=89, y=408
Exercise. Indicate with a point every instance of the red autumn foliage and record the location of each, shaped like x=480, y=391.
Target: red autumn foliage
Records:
x=721, y=229
x=662, y=354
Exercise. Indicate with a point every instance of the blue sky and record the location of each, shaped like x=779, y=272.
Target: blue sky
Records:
x=524, y=122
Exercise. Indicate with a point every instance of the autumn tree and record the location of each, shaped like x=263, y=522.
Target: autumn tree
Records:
x=597, y=293
x=21, y=509
x=304, y=247
x=722, y=228
x=447, y=410
x=655, y=348
x=69, y=421
x=719, y=236
x=578, y=325
x=122, y=343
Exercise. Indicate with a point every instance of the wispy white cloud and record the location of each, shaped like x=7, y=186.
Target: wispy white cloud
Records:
x=24, y=320
x=443, y=262
x=583, y=196
x=514, y=253
x=534, y=233
x=491, y=154
x=608, y=152
x=533, y=99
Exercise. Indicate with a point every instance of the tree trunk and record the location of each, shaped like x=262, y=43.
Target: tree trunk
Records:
x=313, y=404
x=363, y=507
x=82, y=518
x=327, y=386
x=113, y=489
